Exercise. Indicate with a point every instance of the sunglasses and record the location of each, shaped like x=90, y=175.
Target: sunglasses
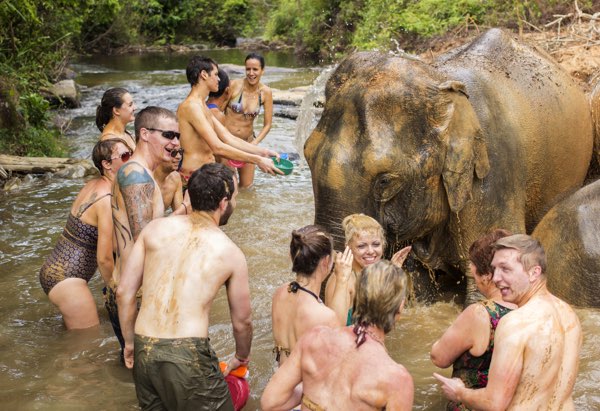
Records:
x=168, y=134
x=177, y=152
x=124, y=157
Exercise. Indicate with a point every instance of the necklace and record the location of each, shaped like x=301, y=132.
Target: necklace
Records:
x=361, y=330
x=376, y=338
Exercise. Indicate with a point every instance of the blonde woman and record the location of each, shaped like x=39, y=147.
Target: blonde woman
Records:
x=365, y=243
x=115, y=111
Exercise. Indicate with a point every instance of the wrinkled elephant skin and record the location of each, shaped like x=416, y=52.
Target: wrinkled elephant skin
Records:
x=570, y=234
x=491, y=135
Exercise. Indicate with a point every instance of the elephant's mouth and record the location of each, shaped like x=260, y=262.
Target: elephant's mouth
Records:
x=425, y=249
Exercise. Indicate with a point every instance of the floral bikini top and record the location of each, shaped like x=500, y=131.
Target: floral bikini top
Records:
x=473, y=371
x=239, y=107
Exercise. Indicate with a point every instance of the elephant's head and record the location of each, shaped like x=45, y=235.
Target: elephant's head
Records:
x=399, y=142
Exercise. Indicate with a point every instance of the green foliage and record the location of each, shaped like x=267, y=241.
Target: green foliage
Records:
x=387, y=19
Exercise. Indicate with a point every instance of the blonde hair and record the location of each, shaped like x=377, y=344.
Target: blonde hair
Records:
x=354, y=224
x=380, y=290
x=531, y=252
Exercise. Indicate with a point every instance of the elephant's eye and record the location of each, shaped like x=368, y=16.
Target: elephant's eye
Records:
x=386, y=186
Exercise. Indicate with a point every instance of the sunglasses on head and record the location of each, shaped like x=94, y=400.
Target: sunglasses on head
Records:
x=168, y=134
x=176, y=152
x=124, y=157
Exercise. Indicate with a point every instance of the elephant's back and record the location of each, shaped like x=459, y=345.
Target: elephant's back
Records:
x=570, y=234
x=525, y=99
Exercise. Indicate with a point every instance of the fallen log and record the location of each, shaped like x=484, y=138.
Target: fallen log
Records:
x=42, y=165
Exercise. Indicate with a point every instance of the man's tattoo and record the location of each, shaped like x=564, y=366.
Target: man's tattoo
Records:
x=137, y=189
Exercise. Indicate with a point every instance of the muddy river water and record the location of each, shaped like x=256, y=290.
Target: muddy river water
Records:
x=44, y=367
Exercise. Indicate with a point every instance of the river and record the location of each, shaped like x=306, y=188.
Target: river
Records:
x=45, y=367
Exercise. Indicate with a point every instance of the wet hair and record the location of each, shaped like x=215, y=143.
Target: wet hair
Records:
x=256, y=56
x=308, y=246
x=209, y=185
x=223, y=84
x=482, y=250
x=380, y=290
x=197, y=65
x=354, y=224
x=149, y=117
x=531, y=252
x=103, y=150
x=113, y=97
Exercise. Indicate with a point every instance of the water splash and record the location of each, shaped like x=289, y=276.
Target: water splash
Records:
x=311, y=109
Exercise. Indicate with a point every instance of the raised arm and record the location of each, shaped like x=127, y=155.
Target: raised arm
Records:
x=337, y=294
x=238, y=296
x=130, y=283
x=137, y=188
x=268, y=115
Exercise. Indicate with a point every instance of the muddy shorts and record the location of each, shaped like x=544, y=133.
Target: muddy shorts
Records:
x=178, y=374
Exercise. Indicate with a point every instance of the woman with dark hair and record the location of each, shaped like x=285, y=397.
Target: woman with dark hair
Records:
x=296, y=305
x=86, y=242
x=468, y=343
x=115, y=111
x=247, y=96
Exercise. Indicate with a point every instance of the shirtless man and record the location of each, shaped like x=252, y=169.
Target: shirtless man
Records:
x=169, y=182
x=536, y=350
x=182, y=262
x=203, y=136
x=136, y=197
x=349, y=368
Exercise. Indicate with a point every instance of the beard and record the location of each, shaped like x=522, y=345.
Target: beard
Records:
x=225, y=217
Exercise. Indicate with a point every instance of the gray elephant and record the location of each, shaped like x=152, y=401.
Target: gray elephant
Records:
x=491, y=135
x=570, y=234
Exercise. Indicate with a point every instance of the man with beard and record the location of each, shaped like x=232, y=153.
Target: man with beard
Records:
x=184, y=261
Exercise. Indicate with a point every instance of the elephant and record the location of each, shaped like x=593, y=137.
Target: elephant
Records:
x=570, y=235
x=490, y=135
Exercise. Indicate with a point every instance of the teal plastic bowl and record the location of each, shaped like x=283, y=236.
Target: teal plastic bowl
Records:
x=284, y=165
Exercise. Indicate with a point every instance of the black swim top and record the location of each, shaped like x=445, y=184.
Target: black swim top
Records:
x=239, y=108
x=294, y=287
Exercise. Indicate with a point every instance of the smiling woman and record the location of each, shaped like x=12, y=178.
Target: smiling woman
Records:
x=115, y=111
x=247, y=97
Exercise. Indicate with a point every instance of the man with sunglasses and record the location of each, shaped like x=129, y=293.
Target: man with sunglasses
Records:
x=136, y=196
x=184, y=261
x=202, y=135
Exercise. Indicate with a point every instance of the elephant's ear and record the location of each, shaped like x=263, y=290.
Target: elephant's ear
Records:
x=466, y=151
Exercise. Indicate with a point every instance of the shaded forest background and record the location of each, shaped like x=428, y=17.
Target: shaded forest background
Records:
x=37, y=37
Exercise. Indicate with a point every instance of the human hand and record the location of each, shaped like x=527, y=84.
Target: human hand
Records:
x=343, y=265
x=271, y=153
x=232, y=364
x=128, y=355
x=268, y=166
x=399, y=257
x=450, y=386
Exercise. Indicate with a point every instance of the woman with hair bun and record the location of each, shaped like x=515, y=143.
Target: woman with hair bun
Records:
x=115, y=111
x=296, y=305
